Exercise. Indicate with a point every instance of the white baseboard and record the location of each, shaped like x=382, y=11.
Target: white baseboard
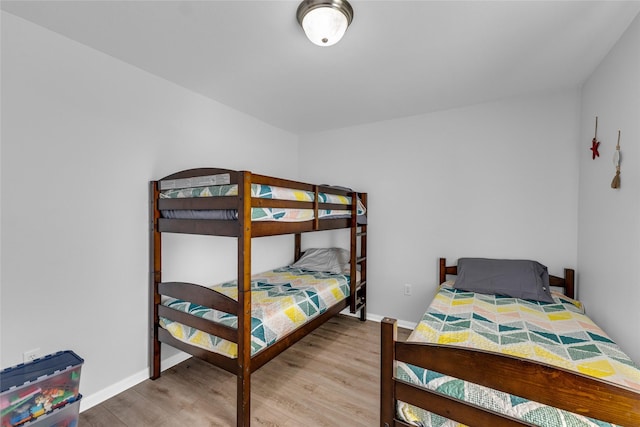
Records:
x=117, y=388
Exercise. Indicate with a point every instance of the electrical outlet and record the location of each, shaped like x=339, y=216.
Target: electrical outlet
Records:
x=30, y=355
x=407, y=289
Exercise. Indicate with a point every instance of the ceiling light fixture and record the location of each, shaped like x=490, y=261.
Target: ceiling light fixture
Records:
x=325, y=21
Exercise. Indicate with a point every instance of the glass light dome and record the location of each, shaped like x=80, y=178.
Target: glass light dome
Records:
x=324, y=26
x=325, y=21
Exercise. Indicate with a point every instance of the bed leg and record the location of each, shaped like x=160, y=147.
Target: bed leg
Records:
x=154, y=371
x=243, y=416
x=388, y=337
x=363, y=313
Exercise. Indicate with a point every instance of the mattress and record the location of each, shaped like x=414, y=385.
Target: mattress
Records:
x=556, y=333
x=261, y=213
x=282, y=300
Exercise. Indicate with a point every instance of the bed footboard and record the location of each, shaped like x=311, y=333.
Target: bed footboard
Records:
x=202, y=296
x=521, y=377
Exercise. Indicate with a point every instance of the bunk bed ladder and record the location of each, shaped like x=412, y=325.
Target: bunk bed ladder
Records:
x=358, y=235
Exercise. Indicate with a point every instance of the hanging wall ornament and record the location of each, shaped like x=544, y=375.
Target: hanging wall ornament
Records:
x=595, y=143
x=616, y=162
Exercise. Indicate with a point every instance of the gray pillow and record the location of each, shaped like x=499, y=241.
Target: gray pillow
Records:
x=515, y=278
x=331, y=260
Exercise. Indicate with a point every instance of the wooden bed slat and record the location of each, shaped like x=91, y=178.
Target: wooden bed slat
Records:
x=223, y=331
x=334, y=190
x=567, y=282
x=334, y=224
x=280, y=182
x=200, y=226
x=333, y=206
x=190, y=173
x=272, y=228
x=231, y=228
x=200, y=295
x=446, y=270
x=449, y=407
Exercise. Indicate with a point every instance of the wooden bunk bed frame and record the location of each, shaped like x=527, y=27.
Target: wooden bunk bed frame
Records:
x=243, y=229
x=521, y=377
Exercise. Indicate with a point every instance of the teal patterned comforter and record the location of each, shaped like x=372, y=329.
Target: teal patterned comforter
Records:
x=271, y=192
x=281, y=301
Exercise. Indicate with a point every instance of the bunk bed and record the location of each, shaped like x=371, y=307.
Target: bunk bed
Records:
x=450, y=371
x=244, y=205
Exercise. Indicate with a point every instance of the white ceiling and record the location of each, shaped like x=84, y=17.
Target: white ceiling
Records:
x=398, y=58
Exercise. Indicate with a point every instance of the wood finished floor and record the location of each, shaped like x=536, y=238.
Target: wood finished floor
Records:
x=330, y=378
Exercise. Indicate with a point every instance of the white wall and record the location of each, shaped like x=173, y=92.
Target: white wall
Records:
x=608, y=219
x=492, y=180
x=82, y=134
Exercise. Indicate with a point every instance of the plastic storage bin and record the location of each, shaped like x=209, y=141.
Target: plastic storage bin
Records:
x=43, y=392
x=66, y=416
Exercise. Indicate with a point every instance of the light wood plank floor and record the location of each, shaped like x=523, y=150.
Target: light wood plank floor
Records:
x=329, y=378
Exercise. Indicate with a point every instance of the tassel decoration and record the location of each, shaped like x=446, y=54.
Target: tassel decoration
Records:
x=616, y=162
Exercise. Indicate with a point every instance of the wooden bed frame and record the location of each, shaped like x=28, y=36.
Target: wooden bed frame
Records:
x=535, y=381
x=244, y=230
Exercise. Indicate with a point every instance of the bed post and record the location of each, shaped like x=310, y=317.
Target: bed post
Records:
x=388, y=336
x=243, y=406
x=443, y=271
x=569, y=282
x=155, y=277
x=297, y=249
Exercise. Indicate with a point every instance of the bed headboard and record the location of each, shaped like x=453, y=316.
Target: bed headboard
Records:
x=567, y=282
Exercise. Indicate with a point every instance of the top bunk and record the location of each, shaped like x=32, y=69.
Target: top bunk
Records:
x=225, y=202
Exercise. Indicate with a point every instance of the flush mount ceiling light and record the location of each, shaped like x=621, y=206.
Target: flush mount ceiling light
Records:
x=325, y=21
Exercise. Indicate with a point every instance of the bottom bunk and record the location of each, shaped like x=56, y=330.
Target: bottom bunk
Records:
x=284, y=305
x=492, y=360
x=282, y=300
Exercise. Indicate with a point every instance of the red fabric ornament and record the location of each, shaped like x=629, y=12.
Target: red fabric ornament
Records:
x=594, y=147
x=595, y=143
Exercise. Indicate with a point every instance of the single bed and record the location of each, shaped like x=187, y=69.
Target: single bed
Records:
x=242, y=324
x=497, y=360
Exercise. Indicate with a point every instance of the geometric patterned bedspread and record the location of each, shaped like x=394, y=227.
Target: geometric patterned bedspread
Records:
x=271, y=192
x=556, y=333
x=281, y=301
